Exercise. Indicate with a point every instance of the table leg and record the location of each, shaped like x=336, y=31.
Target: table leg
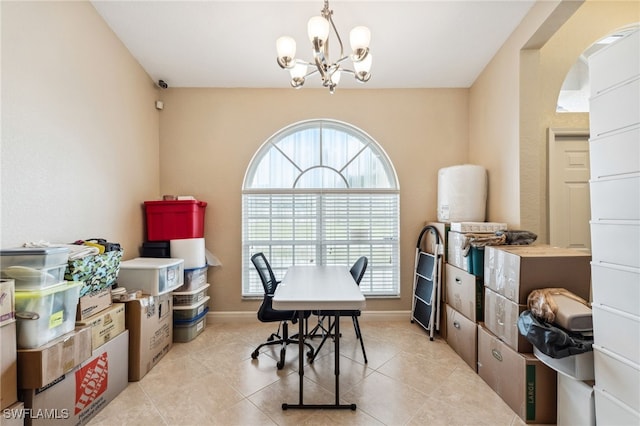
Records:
x=301, y=337
x=337, y=404
x=337, y=354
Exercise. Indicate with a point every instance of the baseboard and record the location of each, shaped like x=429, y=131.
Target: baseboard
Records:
x=248, y=316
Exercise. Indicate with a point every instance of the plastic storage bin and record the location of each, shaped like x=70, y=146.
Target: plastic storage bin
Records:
x=189, y=297
x=34, y=257
x=189, y=312
x=46, y=314
x=154, y=276
x=194, y=279
x=174, y=220
x=27, y=278
x=187, y=330
x=155, y=249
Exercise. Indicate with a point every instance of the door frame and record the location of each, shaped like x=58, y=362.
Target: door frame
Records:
x=552, y=135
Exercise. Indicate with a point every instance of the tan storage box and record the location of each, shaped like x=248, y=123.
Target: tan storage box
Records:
x=40, y=366
x=501, y=318
x=150, y=324
x=464, y=293
x=522, y=381
x=8, y=365
x=76, y=397
x=513, y=271
x=105, y=325
x=462, y=336
x=93, y=303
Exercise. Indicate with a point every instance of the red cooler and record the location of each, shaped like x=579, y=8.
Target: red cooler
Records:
x=175, y=219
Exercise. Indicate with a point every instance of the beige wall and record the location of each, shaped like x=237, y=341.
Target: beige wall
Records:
x=494, y=110
x=513, y=102
x=79, y=128
x=592, y=21
x=208, y=137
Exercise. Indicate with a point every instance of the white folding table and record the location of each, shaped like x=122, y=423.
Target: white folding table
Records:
x=326, y=288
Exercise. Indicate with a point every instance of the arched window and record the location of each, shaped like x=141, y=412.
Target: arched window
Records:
x=322, y=192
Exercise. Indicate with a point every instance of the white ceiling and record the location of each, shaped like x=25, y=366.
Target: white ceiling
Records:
x=215, y=43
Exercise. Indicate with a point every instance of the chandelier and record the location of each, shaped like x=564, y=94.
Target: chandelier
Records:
x=318, y=30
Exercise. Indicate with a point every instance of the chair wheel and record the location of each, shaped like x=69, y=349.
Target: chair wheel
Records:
x=353, y=407
x=280, y=365
x=270, y=338
x=254, y=354
x=310, y=354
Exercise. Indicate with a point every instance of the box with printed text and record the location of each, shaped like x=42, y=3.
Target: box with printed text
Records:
x=76, y=397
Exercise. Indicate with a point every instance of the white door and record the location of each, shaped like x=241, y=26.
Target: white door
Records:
x=569, y=205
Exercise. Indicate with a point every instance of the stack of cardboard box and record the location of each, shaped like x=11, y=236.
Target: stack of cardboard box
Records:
x=505, y=358
x=464, y=289
x=71, y=378
x=8, y=365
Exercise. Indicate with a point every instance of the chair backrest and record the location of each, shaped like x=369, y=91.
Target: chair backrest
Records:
x=358, y=269
x=265, y=272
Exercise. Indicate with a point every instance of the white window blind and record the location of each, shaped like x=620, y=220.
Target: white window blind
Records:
x=321, y=192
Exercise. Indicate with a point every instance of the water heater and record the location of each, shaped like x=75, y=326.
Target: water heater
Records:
x=462, y=193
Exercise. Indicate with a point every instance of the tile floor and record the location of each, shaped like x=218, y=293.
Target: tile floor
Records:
x=212, y=380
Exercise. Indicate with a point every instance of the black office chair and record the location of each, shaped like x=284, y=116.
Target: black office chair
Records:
x=357, y=272
x=266, y=313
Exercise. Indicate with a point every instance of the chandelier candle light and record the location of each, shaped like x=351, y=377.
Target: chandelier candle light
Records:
x=318, y=29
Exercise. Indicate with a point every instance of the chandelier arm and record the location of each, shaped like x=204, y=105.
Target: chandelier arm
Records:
x=335, y=31
x=320, y=67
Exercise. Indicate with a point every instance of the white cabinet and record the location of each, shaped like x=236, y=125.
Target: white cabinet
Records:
x=615, y=227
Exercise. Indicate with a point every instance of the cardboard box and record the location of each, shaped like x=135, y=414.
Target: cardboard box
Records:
x=76, y=397
x=13, y=415
x=105, y=325
x=40, y=366
x=93, y=303
x=478, y=227
x=473, y=262
x=464, y=293
x=455, y=256
x=8, y=365
x=513, y=271
x=501, y=318
x=150, y=324
x=463, y=337
x=523, y=382
x=7, y=301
